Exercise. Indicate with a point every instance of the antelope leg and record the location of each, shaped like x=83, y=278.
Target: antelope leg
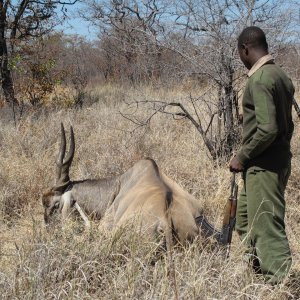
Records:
x=83, y=215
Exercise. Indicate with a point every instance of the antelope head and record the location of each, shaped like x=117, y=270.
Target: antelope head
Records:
x=57, y=201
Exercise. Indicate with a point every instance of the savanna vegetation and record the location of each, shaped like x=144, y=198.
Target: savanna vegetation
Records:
x=162, y=80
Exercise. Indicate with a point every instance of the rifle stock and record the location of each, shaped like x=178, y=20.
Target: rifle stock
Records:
x=230, y=210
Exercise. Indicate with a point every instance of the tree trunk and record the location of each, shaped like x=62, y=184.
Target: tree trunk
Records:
x=6, y=78
x=229, y=124
x=227, y=103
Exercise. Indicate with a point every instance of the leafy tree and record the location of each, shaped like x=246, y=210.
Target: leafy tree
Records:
x=20, y=22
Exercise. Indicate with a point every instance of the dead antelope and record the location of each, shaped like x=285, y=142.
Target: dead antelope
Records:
x=143, y=190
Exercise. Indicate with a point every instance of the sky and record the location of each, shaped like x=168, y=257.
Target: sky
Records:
x=76, y=25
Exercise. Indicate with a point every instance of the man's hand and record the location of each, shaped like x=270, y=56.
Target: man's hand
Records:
x=235, y=165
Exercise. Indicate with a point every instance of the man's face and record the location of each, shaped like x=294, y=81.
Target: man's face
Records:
x=244, y=55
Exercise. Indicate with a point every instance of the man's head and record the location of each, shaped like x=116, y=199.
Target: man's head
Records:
x=252, y=45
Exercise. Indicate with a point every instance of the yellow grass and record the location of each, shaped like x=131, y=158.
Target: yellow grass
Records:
x=73, y=264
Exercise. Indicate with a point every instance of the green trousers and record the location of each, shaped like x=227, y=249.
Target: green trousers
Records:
x=260, y=221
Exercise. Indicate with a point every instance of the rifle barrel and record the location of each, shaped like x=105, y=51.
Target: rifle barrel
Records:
x=296, y=106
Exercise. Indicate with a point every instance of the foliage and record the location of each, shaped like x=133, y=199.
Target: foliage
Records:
x=20, y=23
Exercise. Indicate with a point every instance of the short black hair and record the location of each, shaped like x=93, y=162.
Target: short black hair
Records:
x=254, y=37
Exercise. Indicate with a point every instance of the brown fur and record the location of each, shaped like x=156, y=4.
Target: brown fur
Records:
x=143, y=194
x=46, y=198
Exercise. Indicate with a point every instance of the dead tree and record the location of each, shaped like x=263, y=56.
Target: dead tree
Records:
x=204, y=35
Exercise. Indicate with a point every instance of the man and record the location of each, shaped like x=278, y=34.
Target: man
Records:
x=264, y=158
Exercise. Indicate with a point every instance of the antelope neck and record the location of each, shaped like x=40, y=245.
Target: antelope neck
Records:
x=69, y=187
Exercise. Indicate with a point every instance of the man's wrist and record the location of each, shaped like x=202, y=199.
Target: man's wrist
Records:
x=242, y=158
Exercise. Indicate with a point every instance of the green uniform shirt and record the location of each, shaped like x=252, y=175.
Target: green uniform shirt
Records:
x=267, y=119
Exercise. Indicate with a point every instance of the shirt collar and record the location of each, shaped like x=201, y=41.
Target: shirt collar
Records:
x=262, y=61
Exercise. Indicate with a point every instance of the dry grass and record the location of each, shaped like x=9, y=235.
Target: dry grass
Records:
x=72, y=264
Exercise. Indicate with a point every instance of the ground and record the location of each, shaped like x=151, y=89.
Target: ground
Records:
x=95, y=264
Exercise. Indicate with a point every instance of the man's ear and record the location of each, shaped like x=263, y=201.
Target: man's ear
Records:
x=245, y=48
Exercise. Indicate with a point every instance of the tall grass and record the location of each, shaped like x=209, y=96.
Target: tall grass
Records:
x=76, y=264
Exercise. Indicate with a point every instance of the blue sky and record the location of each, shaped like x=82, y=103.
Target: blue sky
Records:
x=75, y=25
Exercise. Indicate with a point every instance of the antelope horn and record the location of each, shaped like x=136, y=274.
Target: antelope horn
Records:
x=61, y=153
x=64, y=166
x=71, y=152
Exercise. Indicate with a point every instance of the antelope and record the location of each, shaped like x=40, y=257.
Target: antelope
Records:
x=143, y=190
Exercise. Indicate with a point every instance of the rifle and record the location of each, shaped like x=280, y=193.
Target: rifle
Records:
x=296, y=106
x=224, y=235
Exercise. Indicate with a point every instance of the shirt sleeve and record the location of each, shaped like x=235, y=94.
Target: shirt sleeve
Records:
x=265, y=113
